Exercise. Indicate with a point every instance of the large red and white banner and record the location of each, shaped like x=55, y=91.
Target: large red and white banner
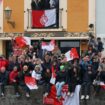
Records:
x=65, y=100
x=73, y=100
x=43, y=18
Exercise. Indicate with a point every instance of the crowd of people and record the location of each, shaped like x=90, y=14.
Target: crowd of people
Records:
x=40, y=64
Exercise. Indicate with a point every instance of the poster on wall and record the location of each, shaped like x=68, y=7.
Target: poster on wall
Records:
x=45, y=13
x=1, y=16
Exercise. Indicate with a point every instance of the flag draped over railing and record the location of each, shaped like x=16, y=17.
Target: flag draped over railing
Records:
x=43, y=18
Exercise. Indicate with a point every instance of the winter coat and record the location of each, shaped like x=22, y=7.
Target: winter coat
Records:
x=13, y=76
x=61, y=76
x=4, y=77
x=21, y=76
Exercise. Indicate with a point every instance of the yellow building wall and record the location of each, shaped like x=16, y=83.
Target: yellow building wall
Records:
x=17, y=7
x=77, y=16
x=2, y=47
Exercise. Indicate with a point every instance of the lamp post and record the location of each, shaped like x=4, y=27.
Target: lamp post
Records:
x=8, y=12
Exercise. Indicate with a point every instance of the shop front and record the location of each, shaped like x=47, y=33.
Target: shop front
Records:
x=64, y=40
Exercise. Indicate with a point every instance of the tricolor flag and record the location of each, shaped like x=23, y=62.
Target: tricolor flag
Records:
x=48, y=47
x=72, y=54
x=43, y=18
x=31, y=83
x=22, y=41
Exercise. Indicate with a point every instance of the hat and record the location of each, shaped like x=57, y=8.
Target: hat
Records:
x=37, y=66
x=62, y=67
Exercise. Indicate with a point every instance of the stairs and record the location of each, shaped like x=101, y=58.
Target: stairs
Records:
x=10, y=98
x=95, y=100
x=37, y=98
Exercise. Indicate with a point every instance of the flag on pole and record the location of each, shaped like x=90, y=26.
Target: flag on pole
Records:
x=43, y=18
x=31, y=83
x=22, y=41
x=48, y=47
x=72, y=54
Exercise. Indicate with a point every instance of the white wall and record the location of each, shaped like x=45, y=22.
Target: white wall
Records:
x=27, y=5
x=92, y=12
x=1, y=16
x=63, y=5
x=100, y=19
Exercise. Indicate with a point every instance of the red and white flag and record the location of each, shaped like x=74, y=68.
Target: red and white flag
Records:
x=72, y=54
x=48, y=47
x=22, y=41
x=43, y=18
x=102, y=84
x=53, y=77
x=31, y=83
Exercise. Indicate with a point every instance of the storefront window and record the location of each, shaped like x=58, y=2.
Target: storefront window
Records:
x=67, y=45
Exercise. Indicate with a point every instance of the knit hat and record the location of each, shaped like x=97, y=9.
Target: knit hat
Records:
x=62, y=67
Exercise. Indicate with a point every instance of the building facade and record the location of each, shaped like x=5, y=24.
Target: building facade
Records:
x=74, y=18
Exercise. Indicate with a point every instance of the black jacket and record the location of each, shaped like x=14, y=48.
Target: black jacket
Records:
x=61, y=76
x=88, y=77
x=4, y=77
x=46, y=77
x=21, y=76
x=74, y=78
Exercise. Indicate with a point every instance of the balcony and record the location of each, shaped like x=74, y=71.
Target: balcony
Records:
x=29, y=27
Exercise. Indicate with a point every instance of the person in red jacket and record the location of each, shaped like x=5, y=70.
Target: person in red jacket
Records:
x=3, y=62
x=13, y=79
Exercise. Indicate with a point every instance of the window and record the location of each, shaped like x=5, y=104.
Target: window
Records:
x=45, y=13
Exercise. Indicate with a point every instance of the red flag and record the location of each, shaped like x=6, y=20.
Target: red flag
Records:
x=72, y=54
x=43, y=18
x=22, y=41
x=30, y=82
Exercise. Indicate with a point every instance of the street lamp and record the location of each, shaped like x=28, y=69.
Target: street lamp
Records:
x=8, y=12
